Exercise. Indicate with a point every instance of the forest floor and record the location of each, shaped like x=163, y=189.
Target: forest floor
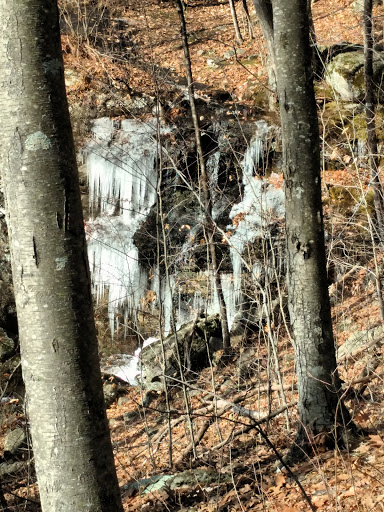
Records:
x=343, y=480
x=338, y=480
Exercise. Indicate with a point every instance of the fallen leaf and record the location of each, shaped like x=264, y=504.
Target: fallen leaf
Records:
x=376, y=440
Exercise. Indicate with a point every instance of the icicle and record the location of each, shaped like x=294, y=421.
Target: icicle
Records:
x=122, y=189
x=261, y=204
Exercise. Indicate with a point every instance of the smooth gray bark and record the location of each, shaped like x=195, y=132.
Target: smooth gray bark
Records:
x=264, y=12
x=71, y=443
x=320, y=405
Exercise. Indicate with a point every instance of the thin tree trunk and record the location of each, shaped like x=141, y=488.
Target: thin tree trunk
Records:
x=239, y=37
x=248, y=17
x=64, y=395
x=264, y=12
x=370, y=107
x=320, y=406
x=204, y=184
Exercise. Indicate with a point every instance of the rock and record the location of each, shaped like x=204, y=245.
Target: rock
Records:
x=123, y=400
x=232, y=53
x=72, y=78
x=192, y=340
x=254, y=316
x=131, y=415
x=345, y=74
x=13, y=468
x=8, y=319
x=11, y=378
x=111, y=393
x=358, y=5
x=191, y=479
x=360, y=339
x=248, y=363
x=15, y=443
x=213, y=63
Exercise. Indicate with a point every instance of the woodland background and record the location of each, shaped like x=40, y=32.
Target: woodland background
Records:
x=123, y=59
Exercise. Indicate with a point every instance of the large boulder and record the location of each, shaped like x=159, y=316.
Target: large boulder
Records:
x=196, y=342
x=345, y=74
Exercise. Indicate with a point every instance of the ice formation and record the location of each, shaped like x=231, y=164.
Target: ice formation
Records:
x=121, y=165
x=184, y=311
x=127, y=367
x=261, y=205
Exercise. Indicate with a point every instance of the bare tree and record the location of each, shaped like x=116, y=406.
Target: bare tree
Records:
x=64, y=395
x=239, y=37
x=206, y=196
x=321, y=408
x=370, y=108
x=265, y=14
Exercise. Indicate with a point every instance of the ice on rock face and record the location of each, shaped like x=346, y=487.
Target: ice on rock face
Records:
x=121, y=164
x=185, y=311
x=261, y=205
x=121, y=169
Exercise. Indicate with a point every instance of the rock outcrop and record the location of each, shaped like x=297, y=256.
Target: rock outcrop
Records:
x=345, y=74
x=195, y=343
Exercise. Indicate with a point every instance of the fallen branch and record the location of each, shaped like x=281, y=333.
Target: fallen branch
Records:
x=255, y=423
x=256, y=418
x=378, y=341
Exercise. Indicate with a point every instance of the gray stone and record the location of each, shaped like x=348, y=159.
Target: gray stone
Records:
x=232, y=53
x=111, y=393
x=213, y=63
x=15, y=442
x=360, y=339
x=6, y=345
x=358, y=5
x=72, y=78
x=345, y=74
x=190, y=478
x=131, y=415
x=123, y=400
x=193, y=347
x=12, y=468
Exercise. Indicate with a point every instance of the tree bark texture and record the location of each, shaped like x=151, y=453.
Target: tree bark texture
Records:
x=71, y=443
x=207, y=202
x=309, y=307
x=264, y=12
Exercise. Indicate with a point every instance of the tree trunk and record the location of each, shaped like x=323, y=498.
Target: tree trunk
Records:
x=248, y=17
x=264, y=12
x=370, y=107
x=207, y=203
x=235, y=22
x=64, y=396
x=320, y=405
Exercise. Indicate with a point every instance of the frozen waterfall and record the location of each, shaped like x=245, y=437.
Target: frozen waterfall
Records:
x=261, y=205
x=121, y=165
